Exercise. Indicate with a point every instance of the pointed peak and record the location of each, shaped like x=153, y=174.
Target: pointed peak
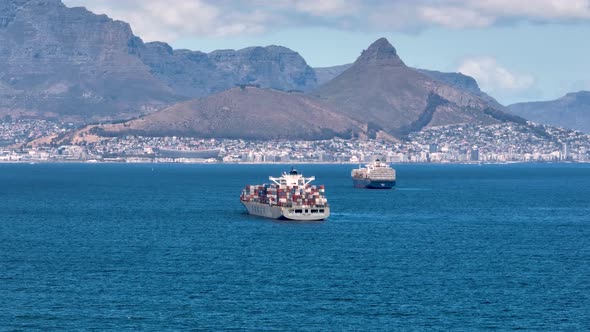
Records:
x=382, y=45
x=382, y=52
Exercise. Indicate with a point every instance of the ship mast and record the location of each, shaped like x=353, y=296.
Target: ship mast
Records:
x=293, y=178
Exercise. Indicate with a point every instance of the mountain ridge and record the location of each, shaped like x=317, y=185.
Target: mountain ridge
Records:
x=198, y=74
x=569, y=111
x=255, y=113
x=69, y=63
x=238, y=113
x=457, y=80
x=73, y=65
x=381, y=89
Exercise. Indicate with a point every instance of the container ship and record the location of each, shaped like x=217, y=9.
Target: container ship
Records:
x=289, y=197
x=376, y=175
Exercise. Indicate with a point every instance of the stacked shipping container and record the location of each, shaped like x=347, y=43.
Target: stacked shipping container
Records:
x=286, y=196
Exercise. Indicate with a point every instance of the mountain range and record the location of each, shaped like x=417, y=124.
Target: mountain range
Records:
x=380, y=89
x=457, y=80
x=377, y=97
x=70, y=64
x=570, y=111
x=247, y=113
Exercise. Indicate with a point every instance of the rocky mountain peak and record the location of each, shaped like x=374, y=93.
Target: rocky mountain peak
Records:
x=67, y=62
x=381, y=52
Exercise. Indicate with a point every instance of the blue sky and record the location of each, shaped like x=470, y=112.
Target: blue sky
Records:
x=517, y=50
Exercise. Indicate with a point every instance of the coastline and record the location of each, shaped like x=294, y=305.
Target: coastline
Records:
x=41, y=162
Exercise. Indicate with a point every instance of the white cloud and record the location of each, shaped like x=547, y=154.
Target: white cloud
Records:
x=454, y=17
x=534, y=9
x=166, y=20
x=327, y=7
x=495, y=78
x=477, y=13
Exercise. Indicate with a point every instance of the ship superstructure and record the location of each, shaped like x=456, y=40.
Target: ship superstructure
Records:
x=290, y=196
x=375, y=175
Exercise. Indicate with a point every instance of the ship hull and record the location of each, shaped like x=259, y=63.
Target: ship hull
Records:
x=285, y=213
x=373, y=184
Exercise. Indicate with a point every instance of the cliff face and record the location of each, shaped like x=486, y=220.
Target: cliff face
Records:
x=463, y=83
x=71, y=64
x=197, y=74
x=378, y=96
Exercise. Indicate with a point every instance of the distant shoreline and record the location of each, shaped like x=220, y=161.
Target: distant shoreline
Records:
x=285, y=163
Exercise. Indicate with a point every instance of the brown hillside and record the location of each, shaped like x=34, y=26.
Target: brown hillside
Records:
x=381, y=90
x=248, y=113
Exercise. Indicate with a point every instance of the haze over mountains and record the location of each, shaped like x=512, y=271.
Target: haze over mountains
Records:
x=570, y=111
x=72, y=65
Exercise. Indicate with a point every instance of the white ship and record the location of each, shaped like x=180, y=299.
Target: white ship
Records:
x=290, y=197
x=376, y=175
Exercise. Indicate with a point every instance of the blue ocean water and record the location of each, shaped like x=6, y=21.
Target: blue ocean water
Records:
x=169, y=247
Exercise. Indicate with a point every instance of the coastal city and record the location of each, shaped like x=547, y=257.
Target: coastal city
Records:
x=21, y=141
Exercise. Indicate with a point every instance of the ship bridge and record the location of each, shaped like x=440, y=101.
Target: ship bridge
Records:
x=292, y=178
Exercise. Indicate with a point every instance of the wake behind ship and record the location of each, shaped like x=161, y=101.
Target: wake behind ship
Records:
x=290, y=197
x=376, y=175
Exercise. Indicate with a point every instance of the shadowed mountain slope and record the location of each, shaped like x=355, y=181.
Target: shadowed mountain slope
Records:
x=248, y=113
x=377, y=97
x=457, y=80
x=71, y=64
x=381, y=90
